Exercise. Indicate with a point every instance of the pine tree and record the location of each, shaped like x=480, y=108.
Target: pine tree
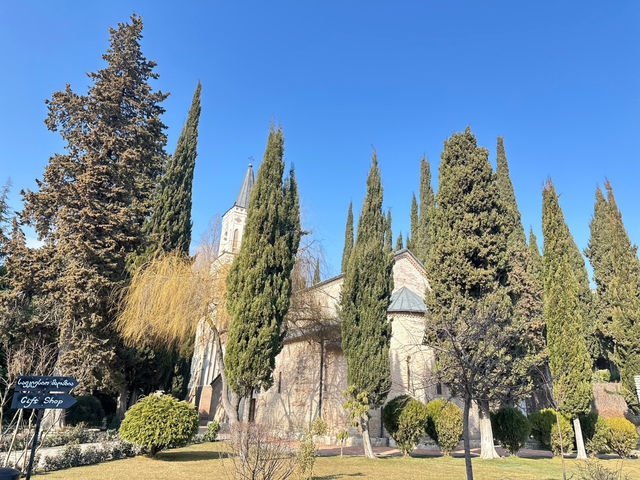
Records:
x=259, y=284
x=616, y=271
x=569, y=359
x=469, y=310
x=422, y=243
x=399, y=243
x=93, y=199
x=364, y=301
x=348, y=239
x=169, y=227
x=415, y=234
x=317, y=277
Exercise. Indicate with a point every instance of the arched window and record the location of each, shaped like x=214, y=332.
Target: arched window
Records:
x=235, y=240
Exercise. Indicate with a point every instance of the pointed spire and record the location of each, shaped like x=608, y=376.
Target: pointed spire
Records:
x=245, y=190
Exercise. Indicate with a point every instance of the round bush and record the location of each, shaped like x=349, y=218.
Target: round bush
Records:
x=87, y=410
x=212, y=431
x=599, y=441
x=568, y=437
x=391, y=413
x=411, y=426
x=434, y=407
x=449, y=427
x=511, y=428
x=159, y=421
x=588, y=424
x=623, y=436
x=541, y=423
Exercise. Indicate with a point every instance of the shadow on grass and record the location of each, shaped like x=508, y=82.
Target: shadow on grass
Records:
x=188, y=456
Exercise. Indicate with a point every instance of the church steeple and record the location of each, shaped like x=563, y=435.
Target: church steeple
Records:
x=245, y=191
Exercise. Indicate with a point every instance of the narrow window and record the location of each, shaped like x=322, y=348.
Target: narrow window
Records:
x=279, y=382
x=235, y=240
x=409, y=373
x=252, y=410
x=438, y=388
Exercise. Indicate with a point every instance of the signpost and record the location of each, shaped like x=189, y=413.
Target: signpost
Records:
x=40, y=393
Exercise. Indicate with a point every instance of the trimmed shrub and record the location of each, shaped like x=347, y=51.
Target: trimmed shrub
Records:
x=449, y=427
x=159, y=421
x=599, y=441
x=411, y=426
x=510, y=428
x=588, y=424
x=434, y=407
x=568, y=437
x=87, y=410
x=623, y=436
x=541, y=423
x=212, y=431
x=391, y=413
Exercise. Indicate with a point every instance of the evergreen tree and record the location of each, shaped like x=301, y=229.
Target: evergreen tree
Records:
x=259, y=284
x=317, y=278
x=569, y=359
x=348, y=239
x=469, y=309
x=536, y=267
x=364, y=301
x=388, y=236
x=93, y=199
x=422, y=243
x=415, y=219
x=4, y=239
x=169, y=227
x=399, y=243
x=616, y=271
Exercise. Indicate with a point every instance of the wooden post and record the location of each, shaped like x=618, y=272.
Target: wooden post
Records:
x=34, y=443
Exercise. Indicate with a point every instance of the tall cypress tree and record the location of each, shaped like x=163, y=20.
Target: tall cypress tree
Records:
x=422, y=243
x=364, y=301
x=169, y=227
x=92, y=201
x=399, y=243
x=259, y=283
x=616, y=271
x=388, y=236
x=348, y=239
x=415, y=227
x=536, y=267
x=507, y=192
x=569, y=358
x=469, y=309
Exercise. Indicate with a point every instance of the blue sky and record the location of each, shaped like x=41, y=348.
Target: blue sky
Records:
x=559, y=80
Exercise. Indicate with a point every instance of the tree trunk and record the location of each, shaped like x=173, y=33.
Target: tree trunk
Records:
x=230, y=406
x=121, y=407
x=366, y=440
x=467, y=441
x=487, y=448
x=582, y=454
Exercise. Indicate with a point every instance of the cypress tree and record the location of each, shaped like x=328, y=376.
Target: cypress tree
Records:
x=92, y=201
x=364, y=301
x=569, y=358
x=507, y=192
x=422, y=243
x=348, y=238
x=259, y=283
x=317, y=278
x=616, y=271
x=388, y=236
x=415, y=234
x=169, y=227
x=399, y=243
x=536, y=267
x=469, y=310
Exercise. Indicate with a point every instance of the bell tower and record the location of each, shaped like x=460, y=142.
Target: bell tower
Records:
x=235, y=219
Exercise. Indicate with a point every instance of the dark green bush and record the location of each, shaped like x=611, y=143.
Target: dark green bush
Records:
x=411, y=426
x=599, y=441
x=623, y=436
x=159, y=421
x=448, y=425
x=568, y=437
x=391, y=413
x=588, y=424
x=433, y=410
x=541, y=423
x=510, y=428
x=87, y=410
x=212, y=431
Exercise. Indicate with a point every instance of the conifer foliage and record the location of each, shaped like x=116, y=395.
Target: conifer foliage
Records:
x=364, y=301
x=348, y=239
x=617, y=275
x=92, y=201
x=259, y=284
x=569, y=358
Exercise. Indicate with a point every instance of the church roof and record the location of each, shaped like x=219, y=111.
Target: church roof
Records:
x=404, y=300
x=245, y=190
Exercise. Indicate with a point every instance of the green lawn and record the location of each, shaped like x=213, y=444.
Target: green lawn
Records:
x=202, y=462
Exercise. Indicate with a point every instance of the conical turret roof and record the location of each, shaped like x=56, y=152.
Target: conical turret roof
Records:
x=245, y=190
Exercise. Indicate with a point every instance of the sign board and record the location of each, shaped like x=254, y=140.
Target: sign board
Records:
x=637, y=381
x=46, y=384
x=38, y=401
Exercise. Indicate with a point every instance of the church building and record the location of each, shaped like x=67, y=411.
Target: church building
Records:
x=311, y=370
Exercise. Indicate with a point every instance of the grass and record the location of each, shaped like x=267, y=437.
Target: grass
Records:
x=202, y=461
